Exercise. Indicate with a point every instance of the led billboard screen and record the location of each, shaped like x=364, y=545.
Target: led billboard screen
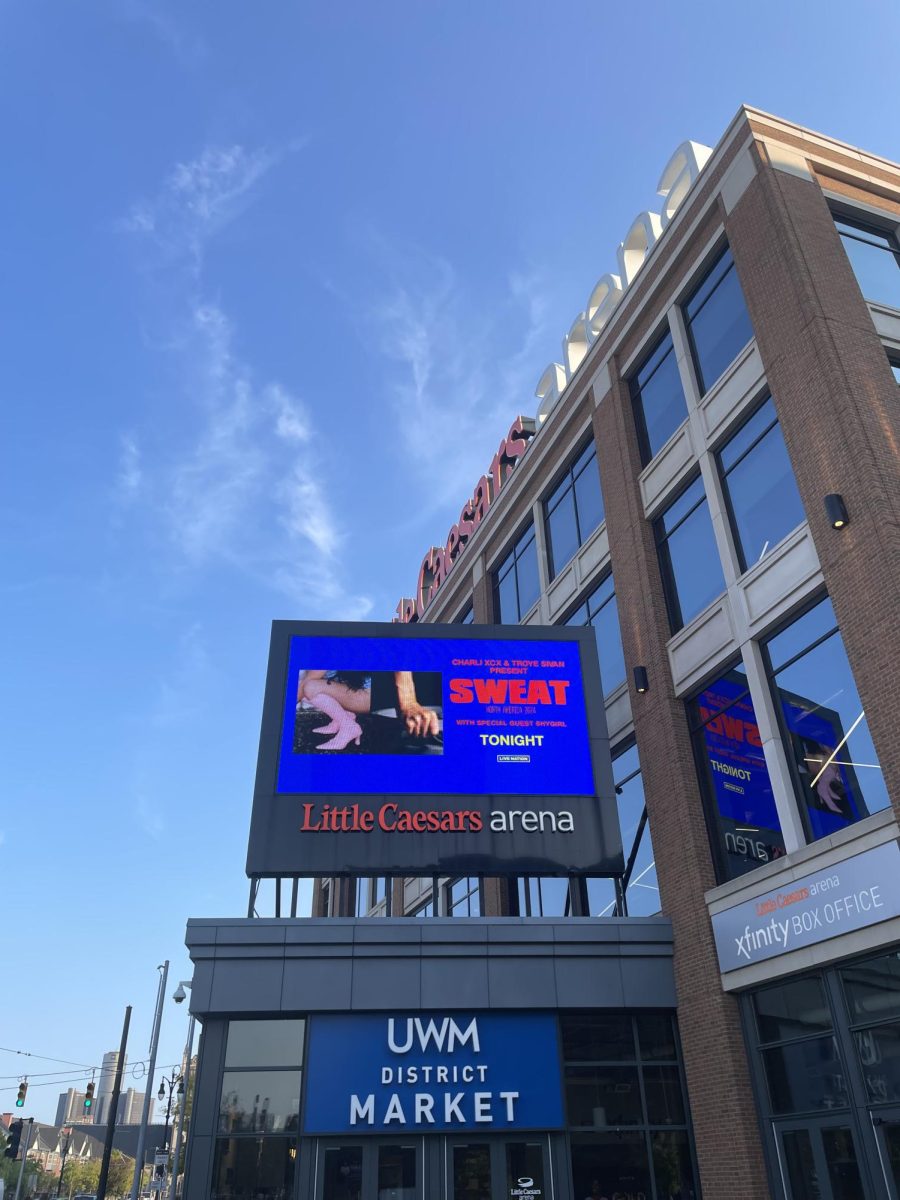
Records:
x=392, y=749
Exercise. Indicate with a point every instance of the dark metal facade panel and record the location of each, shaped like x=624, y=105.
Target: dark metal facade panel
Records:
x=339, y=965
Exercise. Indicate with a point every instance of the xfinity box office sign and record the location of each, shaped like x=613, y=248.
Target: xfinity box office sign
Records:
x=433, y=750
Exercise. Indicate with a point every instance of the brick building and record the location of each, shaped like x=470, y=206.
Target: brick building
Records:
x=713, y=483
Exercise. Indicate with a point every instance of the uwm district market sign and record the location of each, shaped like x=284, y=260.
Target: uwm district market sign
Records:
x=432, y=749
x=432, y=1072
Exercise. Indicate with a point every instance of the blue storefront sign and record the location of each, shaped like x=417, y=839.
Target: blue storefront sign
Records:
x=860, y=891
x=432, y=1072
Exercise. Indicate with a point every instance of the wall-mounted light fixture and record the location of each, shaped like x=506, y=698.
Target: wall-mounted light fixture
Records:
x=641, y=683
x=836, y=510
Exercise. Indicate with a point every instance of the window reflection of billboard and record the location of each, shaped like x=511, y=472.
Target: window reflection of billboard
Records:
x=835, y=799
x=737, y=776
x=369, y=712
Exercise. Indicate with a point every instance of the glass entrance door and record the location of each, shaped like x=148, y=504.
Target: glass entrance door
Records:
x=886, y=1125
x=497, y=1169
x=369, y=1170
x=819, y=1161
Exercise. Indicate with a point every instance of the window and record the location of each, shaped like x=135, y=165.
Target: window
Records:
x=657, y=398
x=624, y=1091
x=516, y=582
x=254, y=1168
x=260, y=1090
x=874, y=257
x=895, y=367
x=717, y=322
x=544, y=896
x=463, y=897
x=574, y=509
x=688, y=555
x=468, y=617
x=743, y=821
x=600, y=611
x=369, y=894
x=758, y=480
x=639, y=884
x=836, y=771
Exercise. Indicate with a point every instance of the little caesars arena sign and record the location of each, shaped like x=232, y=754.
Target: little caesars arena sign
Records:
x=425, y=749
x=680, y=172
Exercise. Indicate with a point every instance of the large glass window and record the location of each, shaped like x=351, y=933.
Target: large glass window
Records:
x=260, y=1091
x=369, y=894
x=688, y=555
x=837, y=773
x=463, y=897
x=874, y=257
x=599, y=610
x=259, y=1101
x=516, y=581
x=264, y=1044
x=574, y=509
x=717, y=321
x=657, y=398
x=741, y=810
x=872, y=994
x=759, y=485
x=639, y=885
x=828, y=1045
x=254, y=1168
x=625, y=1101
x=544, y=897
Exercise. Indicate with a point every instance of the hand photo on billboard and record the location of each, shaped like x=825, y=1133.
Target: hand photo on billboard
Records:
x=375, y=712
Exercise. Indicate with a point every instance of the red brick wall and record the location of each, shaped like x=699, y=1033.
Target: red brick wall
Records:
x=715, y=1060
x=839, y=409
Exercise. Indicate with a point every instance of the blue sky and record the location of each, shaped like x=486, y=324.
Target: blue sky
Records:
x=276, y=279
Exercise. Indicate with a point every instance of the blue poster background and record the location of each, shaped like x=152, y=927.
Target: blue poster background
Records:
x=560, y=766
x=732, y=742
x=518, y=1052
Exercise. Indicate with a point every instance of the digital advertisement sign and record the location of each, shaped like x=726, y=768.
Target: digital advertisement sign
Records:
x=429, y=1072
x=433, y=749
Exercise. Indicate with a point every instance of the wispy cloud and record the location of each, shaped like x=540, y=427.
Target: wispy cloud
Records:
x=245, y=491
x=198, y=199
x=129, y=474
x=187, y=46
x=456, y=364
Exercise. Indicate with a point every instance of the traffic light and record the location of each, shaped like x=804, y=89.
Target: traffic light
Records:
x=20, y=1099
x=13, y=1139
x=89, y=1097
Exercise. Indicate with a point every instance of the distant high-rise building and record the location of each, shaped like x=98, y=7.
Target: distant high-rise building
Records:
x=105, y=1087
x=70, y=1107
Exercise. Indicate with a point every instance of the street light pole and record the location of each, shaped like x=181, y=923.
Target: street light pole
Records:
x=151, y=1068
x=179, y=1128
x=178, y=997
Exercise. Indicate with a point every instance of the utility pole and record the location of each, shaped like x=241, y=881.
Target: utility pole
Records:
x=62, y=1168
x=151, y=1068
x=24, y=1156
x=113, y=1107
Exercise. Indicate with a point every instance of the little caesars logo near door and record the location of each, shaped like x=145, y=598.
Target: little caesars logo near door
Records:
x=432, y=1072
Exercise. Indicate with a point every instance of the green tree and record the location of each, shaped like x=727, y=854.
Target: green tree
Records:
x=121, y=1173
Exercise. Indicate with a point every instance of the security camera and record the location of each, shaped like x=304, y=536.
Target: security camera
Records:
x=179, y=995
